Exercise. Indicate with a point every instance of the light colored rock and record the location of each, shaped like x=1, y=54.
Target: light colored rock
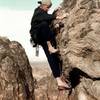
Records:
x=82, y=49
x=16, y=80
x=79, y=44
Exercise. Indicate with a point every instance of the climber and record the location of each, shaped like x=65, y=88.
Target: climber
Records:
x=40, y=23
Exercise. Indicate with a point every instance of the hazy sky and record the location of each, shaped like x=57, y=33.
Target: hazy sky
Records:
x=15, y=17
x=18, y=4
x=23, y=4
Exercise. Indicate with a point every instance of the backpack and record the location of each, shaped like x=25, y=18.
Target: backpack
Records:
x=34, y=41
x=34, y=38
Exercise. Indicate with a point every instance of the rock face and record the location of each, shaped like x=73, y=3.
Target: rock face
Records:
x=16, y=81
x=79, y=44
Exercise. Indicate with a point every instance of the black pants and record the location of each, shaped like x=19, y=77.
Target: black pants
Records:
x=44, y=32
x=53, y=61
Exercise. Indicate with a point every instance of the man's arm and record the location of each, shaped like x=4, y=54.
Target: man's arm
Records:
x=45, y=17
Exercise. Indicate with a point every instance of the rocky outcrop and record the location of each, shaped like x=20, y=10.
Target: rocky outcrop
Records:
x=79, y=44
x=16, y=80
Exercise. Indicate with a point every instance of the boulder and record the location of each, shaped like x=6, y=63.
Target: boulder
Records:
x=79, y=44
x=16, y=80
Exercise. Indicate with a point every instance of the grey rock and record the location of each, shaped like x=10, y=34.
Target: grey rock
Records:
x=16, y=80
x=79, y=45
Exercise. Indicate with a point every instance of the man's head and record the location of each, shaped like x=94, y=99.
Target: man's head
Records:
x=45, y=4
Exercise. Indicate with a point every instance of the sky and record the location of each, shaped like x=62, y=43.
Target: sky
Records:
x=15, y=18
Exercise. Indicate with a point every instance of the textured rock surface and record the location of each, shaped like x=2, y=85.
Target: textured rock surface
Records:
x=79, y=45
x=16, y=81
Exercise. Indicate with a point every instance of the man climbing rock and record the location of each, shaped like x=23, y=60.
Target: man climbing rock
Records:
x=40, y=23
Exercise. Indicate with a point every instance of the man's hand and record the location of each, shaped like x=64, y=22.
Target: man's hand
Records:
x=62, y=16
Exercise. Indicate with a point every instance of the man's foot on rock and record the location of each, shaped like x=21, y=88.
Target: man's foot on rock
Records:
x=53, y=50
x=62, y=85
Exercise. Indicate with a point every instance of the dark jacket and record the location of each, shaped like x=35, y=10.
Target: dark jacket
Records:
x=39, y=16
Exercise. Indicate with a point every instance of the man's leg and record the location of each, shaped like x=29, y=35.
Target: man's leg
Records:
x=53, y=60
x=54, y=63
x=51, y=48
x=46, y=35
